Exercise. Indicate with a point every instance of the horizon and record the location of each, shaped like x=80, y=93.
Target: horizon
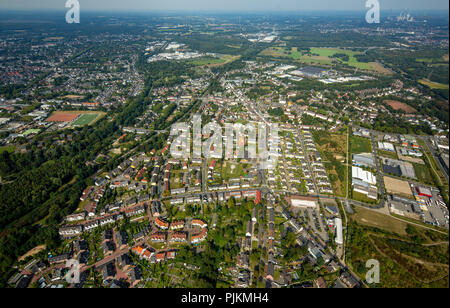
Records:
x=229, y=6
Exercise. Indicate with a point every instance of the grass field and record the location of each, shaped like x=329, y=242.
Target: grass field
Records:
x=375, y=219
x=231, y=170
x=9, y=148
x=332, y=148
x=86, y=119
x=423, y=174
x=361, y=197
x=211, y=61
x=434, y=85
x=360, y=145
x=206, y=61
x=387, y=154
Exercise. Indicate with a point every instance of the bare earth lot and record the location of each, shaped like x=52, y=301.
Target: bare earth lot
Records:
x=396, y=105
x=395, y=186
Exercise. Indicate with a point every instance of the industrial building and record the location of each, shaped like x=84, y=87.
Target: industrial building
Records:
x=339, y=235
x=364, y=160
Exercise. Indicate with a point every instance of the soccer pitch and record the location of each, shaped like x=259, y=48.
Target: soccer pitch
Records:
x=86, y=119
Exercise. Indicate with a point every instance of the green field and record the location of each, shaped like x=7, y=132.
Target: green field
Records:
x=9, y=148
x=360, y=145
x=423, y=174
x=322, y=56
x=86, y=119
x=434, y=85
x=206, y=61
x=361, y=197
x=224, y=59
x=231, y=170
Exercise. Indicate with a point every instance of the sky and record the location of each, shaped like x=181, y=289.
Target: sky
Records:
x=224, y=5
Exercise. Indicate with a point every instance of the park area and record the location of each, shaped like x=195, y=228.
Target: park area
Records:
x=325, y=56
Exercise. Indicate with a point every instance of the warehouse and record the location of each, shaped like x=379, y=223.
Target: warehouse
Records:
x=386, y=146
x=303, y=202
x=365, y=176
x=362, y=160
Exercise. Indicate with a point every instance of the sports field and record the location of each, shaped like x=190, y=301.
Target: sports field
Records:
x=85, y=119
x=63, y=117
x=76, y=118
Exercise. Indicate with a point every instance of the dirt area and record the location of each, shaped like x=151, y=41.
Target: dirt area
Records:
x=396, y=105
x=395, y=186
x=63, y=117
x=32, y=252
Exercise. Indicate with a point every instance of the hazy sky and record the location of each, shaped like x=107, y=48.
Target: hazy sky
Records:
x=222, y=5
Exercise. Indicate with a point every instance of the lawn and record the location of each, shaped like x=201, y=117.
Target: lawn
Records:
x=231, y=170
x=360, y=145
